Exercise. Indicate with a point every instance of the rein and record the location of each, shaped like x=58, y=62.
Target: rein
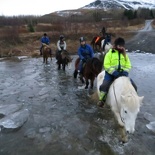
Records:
x=117, y=104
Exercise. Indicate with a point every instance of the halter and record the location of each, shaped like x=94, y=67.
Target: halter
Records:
x=117, y=104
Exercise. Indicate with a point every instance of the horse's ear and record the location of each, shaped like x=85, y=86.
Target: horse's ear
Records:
x=141, y=100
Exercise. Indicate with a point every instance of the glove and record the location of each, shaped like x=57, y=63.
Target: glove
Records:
x=116, y=74
x=83, y=60
x=124, y=73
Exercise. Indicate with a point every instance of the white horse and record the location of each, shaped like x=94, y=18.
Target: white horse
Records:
x=100, y=55
x=108, y=46
x=124, y=103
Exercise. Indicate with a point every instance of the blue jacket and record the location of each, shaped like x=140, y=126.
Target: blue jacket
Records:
x=85, y=52
x=45, y=40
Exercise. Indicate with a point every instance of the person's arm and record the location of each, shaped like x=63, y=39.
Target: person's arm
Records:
x=58, y=45
x=80, y=55
x=106, y=62
x=42, y=40
x=48, y=41
x=65, y=45
x=128, y=66
x=91, y=51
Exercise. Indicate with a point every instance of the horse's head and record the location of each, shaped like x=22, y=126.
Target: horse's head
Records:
x=130, y=107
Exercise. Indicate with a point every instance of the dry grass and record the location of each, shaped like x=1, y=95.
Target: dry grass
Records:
x=30, y=42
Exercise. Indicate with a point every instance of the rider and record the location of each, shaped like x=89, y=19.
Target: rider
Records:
x=61, y=45
x=85, y=52
x=116, y=64
x=44, y=40
x=103, y=31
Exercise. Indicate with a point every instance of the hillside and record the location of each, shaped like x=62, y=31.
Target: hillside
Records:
x=16, y=39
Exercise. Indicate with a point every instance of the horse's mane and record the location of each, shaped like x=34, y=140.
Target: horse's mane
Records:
x=95, y=65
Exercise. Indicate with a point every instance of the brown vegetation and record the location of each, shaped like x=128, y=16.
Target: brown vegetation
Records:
x=24, y=38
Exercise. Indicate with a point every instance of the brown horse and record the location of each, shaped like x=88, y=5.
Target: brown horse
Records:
x=96, y=42
x=91, y=69
x=47, y=52
x=63, y=59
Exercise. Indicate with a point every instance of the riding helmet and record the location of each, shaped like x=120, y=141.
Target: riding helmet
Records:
x=82, y=39
x=62, y=37
x=119, y=41
x=45, y=34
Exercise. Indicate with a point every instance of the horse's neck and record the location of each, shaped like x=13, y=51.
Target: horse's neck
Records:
x=123, y=87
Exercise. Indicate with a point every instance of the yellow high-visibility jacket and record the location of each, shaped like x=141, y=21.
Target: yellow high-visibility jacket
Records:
x=111, y=62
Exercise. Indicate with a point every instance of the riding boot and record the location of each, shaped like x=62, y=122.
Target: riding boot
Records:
x=102, y=99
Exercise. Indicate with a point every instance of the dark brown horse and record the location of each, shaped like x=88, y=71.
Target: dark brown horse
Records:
x=91, y=69
x=47, y=52
x=63, y=58
x=96, y=43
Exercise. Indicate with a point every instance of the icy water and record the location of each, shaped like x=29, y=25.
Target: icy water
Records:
x=57, y=117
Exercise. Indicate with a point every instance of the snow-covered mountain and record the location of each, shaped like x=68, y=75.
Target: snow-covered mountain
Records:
x=117, y=4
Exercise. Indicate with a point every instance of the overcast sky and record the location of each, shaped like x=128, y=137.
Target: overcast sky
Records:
x=38, y=7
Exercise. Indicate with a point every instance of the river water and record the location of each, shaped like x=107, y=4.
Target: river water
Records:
x=58, y=117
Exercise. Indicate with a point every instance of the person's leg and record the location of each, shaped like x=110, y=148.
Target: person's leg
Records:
x=108, y=79
x=80, y=66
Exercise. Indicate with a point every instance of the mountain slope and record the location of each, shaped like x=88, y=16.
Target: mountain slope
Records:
x=117, y=4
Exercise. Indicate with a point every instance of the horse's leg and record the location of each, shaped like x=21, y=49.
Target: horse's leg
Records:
x=92, y=83
x=46, y=60
x=63, y=65
x=87, y=84
x=75, y=73
x=59, y=66
x=124, y=136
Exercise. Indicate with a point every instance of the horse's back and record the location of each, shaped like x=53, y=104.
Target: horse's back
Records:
x=120, y=87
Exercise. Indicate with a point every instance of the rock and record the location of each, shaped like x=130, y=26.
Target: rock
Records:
x=151, y=126
x=15, y=120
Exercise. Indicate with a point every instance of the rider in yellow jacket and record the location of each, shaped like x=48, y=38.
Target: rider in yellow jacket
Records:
x=116, y=64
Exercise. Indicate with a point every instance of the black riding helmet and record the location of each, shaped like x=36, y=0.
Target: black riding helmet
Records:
x=119, y=41
x=45, y=34
x=82, y=39
x=62, y=37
